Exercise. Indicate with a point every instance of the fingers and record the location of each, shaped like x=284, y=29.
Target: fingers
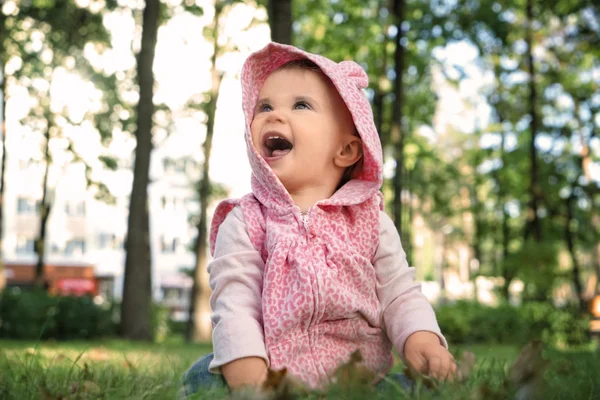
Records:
x=442, y=367
x=453, y=370
x=436, y=367
x=417, y=363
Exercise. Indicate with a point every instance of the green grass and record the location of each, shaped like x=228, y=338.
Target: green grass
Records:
x=117, y=369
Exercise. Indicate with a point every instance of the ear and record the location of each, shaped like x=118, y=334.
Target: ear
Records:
x=349, y=153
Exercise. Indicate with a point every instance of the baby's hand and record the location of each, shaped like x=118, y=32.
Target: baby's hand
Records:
x=424, y=353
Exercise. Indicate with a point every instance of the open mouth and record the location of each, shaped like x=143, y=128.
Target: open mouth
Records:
x=277, y=146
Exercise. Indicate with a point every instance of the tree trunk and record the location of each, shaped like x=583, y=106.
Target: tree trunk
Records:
x=533, y=224
x=380, y=93
x=197, y=328
x=507, y=274
x=586, y=166
x=280, y=20
x=137, y=287
x=397, y=132
x=477, y=228
x=3, y=138
x=45, y=206
x=595, y=221
x=407, y=243
x=570, y=240
x=596, y=264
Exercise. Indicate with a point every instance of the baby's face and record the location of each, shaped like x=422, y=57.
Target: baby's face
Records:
x=300, y=123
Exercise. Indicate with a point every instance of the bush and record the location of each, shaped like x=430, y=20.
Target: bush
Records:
x=37, y=315
x=471, y=322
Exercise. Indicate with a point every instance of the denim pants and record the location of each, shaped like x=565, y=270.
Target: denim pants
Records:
x=198, y=379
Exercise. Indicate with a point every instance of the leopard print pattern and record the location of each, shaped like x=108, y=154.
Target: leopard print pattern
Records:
x=319, y=294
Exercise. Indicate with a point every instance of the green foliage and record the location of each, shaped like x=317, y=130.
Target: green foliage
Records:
x=160, y=322
x=470, y=322
x=37, y=315
x=537, y=265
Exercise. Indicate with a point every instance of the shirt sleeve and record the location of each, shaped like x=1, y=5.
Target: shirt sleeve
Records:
x=405, y=309
x=236, y=274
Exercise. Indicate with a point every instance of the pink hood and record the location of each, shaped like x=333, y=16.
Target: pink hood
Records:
x=349, y=79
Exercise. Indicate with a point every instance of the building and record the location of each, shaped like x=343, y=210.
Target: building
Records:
x=89, y=234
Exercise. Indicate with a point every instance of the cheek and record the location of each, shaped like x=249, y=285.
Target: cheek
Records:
x=255, y=132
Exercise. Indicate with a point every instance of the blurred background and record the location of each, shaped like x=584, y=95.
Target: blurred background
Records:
x=122, y=129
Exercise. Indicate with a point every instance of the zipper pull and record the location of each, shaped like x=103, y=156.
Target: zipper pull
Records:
x=305, y=221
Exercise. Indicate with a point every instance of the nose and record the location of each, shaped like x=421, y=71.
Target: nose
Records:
x=276, y=116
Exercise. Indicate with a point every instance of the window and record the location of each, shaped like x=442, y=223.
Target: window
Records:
x=168, y=245
x=54, y=248
x=192, y=205
x=25, y=245
x=75, y=209
x=108, y=241
x=169, y=165
x=182, y=165
x=25, y=165
x=171, y=294
x=27, y=206
x=171, y=203
x=74, y=247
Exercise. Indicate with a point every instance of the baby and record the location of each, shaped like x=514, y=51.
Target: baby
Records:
x=308, y=269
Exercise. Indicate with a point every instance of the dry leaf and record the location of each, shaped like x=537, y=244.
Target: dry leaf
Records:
x=415, y=376
x=128, y=364
x=98, y=354
x=86, y=373
x=74, y=388
x=90, y=387
x=274, y=379
x=353, y=372
x=527, y=372
x=46, y=395
x=464, y=367
x=280, y=385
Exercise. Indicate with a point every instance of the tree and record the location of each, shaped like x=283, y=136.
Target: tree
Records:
x=3, y=30
x=533, y=221
x=137, y=287
x=398, y=133
x=196, y=330
x=61, y=48
x=280, y=20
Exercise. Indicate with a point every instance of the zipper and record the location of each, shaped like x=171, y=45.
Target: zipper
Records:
x=305, y=219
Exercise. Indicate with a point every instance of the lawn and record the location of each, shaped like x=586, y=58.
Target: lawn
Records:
x=123, y=370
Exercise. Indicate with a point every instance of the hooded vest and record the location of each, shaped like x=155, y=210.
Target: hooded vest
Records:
x=319, y=298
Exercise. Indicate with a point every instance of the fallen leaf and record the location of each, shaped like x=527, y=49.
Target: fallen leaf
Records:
x=527, y=372
x=98, y=354
x=86, y=373
x=90, y=387
x=46, y=395
x=128, y=364
x=353, y=372
x=274, y=379
x=464, y=367
x=415, y=376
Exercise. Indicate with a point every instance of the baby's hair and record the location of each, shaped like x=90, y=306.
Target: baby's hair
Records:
x=303, y=63
x=308, y=65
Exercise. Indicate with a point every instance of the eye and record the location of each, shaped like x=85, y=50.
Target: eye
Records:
x=301, y=105
x=265, y=107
